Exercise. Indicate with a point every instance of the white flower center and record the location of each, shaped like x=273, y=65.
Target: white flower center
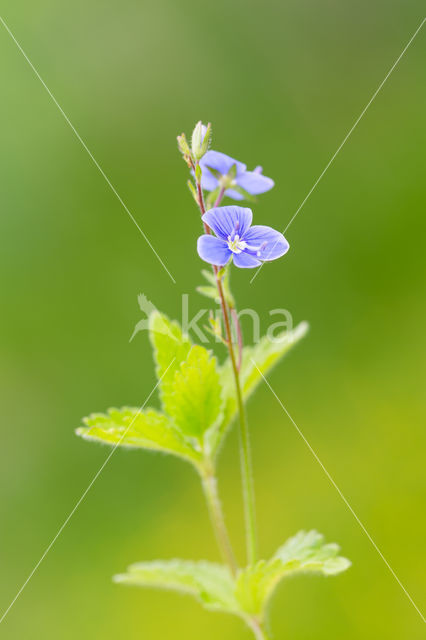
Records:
x=236, y=245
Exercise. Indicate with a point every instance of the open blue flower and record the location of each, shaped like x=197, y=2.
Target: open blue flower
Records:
x=236, y=238
x=251, y=181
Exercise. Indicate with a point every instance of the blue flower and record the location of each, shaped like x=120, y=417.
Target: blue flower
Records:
x=235, y=237
x=251, y=181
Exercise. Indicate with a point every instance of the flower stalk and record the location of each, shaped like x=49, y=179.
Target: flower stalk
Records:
x=245, y=452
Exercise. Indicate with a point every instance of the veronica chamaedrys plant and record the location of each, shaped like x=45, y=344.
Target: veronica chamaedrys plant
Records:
x=200, y=399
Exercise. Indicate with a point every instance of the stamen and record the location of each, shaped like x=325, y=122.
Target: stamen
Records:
x=236, y=245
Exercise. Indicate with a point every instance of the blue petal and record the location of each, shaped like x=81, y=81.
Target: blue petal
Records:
x=266, y=243
x=213, y=250
x=208, y=181
x=234, y=195
x=245, y=260
x=224, y=221
x=221, y=162
x=254, y=182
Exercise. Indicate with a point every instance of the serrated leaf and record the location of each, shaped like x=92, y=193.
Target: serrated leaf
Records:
x=171, y=348
x=304, y=553
x=131, y=427
x=256, y=360
x=194, y=398
x=211, y=584
x=248, y=594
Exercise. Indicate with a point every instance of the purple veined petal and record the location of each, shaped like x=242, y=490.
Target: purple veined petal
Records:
x=213, y=250
x=245, y=260
x=225, y=221
x=221, y=162
x=254, y=182
x=266, y=243
x=234, y=195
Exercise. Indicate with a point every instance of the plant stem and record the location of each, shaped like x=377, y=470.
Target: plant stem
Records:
x=218, y=521
x=219, y=197
x=246, y=465
x=258, y=630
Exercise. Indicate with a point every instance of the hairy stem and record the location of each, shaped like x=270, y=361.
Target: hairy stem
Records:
x=246, y=464
x=218, y=521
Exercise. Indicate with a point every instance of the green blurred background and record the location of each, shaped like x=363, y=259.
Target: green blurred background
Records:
x=282, y=83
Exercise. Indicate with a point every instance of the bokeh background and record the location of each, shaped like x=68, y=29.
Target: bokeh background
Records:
x=282, y=83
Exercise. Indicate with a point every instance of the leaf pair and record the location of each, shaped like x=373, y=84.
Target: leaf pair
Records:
x=249, y=592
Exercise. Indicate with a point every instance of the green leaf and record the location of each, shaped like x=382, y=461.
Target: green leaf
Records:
x=304, y=553
x=171, y=348
x=255, y=585
x=193, y=191
x=183, y=145
x=257, y=360
x=209, y=292
x=195, y=396
x=211, y=584
x=248, y=594
x=131, y=427
x=224, y=275
x=209, y=276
